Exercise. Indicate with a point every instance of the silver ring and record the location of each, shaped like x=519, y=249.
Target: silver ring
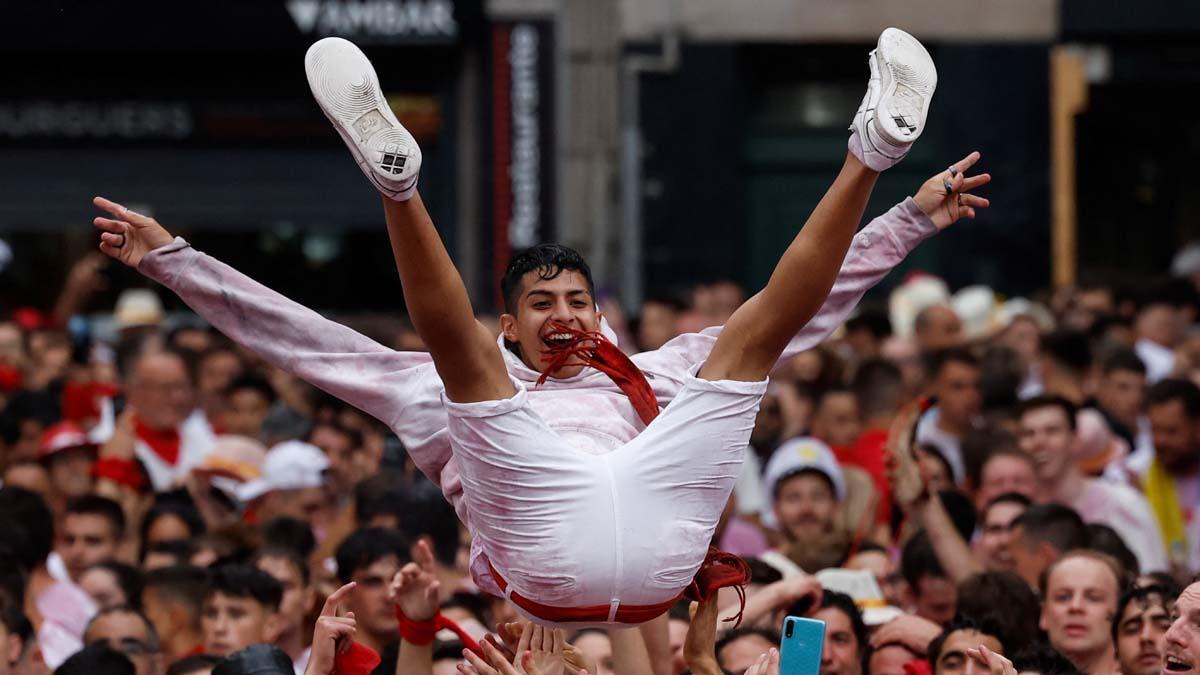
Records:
x=953, y=171
x=948, y=187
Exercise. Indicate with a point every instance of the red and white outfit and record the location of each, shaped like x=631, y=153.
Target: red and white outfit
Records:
x=167, y=456
x=571, y=498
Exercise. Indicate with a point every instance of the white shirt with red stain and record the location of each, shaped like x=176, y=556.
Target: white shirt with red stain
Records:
x=403, y=390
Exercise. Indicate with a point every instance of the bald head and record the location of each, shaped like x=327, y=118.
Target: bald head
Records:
x=160, y=389
x=1182, y=648
x=937, y=327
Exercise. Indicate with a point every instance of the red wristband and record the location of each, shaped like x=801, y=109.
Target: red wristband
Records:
x=422, y=633
x=419, y=633
x=123, y=471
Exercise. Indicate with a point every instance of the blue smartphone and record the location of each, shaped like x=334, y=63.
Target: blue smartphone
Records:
x=801, y=645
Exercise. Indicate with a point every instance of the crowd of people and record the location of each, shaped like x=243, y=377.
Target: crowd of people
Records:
x=950, y=483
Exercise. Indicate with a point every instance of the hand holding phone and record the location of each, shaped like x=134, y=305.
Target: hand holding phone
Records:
x=801, y=646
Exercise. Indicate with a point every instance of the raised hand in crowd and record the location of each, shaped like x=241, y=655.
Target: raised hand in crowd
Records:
x=417, y=593
x=909, y=630
x=923, y=508
x=945, y=197
x=539, y=652
x=908, y=487
x=119, y=451
x=333, y=634
x=83, y=281
x=767, y=664
x=773, y=599
x=700, y=644
x=995, y=663
x=415, y=589
x=128, y=236
x=508, y=637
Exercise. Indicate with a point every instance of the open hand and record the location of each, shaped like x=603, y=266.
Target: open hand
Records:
x=767, y=664
x=908, y=487
x=507, y=640
x=415, y=588
x=540, y=650
x=131, y=235
x=793, y=589
x=946, y=206
x=333, y=633
x=909, y=630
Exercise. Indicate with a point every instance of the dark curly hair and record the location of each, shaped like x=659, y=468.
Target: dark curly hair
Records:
x=548, y=260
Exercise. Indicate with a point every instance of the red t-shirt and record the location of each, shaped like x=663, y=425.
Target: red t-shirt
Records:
x=867, y=454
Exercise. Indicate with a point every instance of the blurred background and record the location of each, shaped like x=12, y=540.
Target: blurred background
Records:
x=673, y=142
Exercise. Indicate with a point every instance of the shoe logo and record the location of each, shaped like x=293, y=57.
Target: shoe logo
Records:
x=904, y=124
x=393, y=162
x=368, y=124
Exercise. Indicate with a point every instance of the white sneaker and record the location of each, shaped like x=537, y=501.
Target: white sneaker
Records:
x=892, y=114
x=345, y=86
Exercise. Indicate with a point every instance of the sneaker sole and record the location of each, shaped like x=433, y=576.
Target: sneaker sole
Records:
x=345, y=86
x=908, y=80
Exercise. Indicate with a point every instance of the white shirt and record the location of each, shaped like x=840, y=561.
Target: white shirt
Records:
x=948, y=444
x=1125, y=510
x=1159, y=360
x=301, y=662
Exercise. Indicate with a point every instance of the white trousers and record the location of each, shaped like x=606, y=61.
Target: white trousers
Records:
x=570, y=529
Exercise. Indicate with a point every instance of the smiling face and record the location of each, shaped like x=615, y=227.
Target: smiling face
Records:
x=1047, y=436
x=540, y=305
x=805, y=506
x=1181, y=652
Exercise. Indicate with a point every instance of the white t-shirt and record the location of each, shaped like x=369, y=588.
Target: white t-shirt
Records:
x=1159, y=360
x=948, y=444
x=301, y=662
x=1125, y=510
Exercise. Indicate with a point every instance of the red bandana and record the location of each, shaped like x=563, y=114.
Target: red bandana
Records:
x=165, y=443
x=597, y=351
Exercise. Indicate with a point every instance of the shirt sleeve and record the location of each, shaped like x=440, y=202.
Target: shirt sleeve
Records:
x=400, y=389
x=874, y=252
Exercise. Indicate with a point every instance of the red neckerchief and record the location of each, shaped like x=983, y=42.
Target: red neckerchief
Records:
x=358, y=659
x=595, y=350
x=165, y=443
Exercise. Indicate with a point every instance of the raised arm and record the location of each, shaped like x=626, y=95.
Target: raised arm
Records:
x=884, y=243
x=874, y=252
x=379, y=381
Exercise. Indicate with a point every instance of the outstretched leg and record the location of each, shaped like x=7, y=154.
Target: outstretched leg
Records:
x=465, y=354
x=892, y=116
x=756, y=334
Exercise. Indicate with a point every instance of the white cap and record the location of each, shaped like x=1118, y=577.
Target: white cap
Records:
x=291, y=465
x=138, y=307
x=804, y=454
x=1187, y=261
x=1016, y=307
x=915, y=294
x=861, y=586
x=976, y=306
